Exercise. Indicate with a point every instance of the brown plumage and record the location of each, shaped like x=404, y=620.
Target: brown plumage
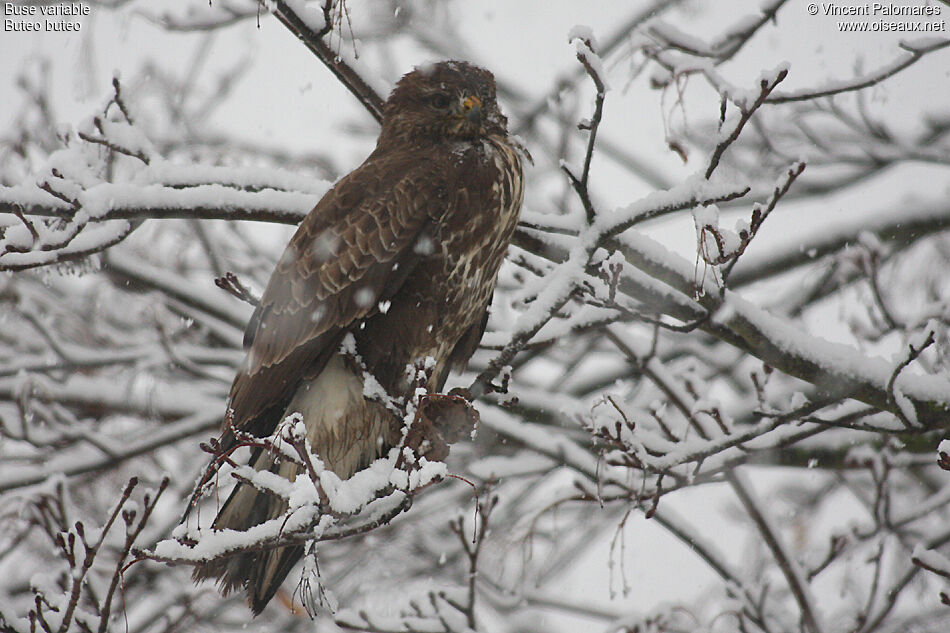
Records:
x=420, y=228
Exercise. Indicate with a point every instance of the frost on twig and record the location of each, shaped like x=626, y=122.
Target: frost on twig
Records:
x=320, y=507
x=88, y=555
x=88, y=200
x=722, y=247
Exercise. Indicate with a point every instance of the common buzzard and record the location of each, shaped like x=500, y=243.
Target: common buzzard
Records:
x=403, y=254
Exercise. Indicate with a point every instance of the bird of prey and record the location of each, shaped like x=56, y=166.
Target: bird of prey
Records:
x=402, y=254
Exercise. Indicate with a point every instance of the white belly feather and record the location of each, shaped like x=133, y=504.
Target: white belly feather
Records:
x=345, y=430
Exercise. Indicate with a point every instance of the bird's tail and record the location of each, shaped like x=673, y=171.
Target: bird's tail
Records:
x=260, y=573
x=348, y=431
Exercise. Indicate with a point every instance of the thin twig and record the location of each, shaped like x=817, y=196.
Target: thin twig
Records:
x=313, y=40
x=790, y=568
x=912, y=354
x=581, y=185
x=765, y=88
x=868, y=80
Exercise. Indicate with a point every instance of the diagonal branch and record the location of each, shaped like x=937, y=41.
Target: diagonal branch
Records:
x=766, y=87
x=588, y=58
x=836, y=370
x=794, y=574
x=286, y=11
x=914, y=53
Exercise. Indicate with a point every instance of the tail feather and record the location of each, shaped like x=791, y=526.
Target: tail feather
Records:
x=260, y=573
x=273, y=570
x=346, y=430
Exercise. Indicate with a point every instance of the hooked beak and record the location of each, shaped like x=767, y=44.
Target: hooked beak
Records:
x=472, y=110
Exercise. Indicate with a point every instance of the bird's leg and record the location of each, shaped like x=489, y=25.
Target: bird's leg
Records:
x=440, y=420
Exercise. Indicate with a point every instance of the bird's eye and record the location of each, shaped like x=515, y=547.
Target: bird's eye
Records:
x=440, y=100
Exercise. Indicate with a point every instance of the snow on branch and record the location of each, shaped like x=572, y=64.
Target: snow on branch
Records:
x=839, y=371
x=87, y=553
x=560, y=285
x=730, y=41
x=913, y=51
x=583, y=42
x=88, y=214
x=320, y=507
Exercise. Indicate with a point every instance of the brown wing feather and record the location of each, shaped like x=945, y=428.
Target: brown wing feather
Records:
x=352, y=251
x=448, y=175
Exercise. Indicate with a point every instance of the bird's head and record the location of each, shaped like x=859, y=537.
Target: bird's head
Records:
x=449, y=100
